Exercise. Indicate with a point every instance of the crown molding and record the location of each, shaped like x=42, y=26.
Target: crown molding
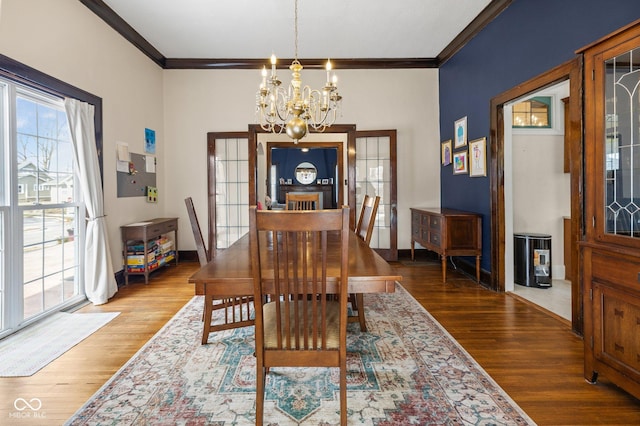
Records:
x=107, y=14
x=222, y=64
x=114, y=20
x=489, y=13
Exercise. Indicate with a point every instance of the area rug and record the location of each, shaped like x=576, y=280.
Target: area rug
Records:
x=31, y=349
x=405, y=370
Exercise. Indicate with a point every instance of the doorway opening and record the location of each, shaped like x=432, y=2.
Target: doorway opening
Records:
x=539, y=198
x=502, y=188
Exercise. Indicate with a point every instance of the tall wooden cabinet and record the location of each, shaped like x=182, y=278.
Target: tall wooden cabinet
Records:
x=611, y=247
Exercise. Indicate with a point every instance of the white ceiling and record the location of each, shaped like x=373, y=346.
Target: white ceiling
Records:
x=253, y=29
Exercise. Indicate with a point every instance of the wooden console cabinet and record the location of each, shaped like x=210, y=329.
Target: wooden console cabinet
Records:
x=328, y=202
x=610, y=251
x=447, y=232
x=142, y=233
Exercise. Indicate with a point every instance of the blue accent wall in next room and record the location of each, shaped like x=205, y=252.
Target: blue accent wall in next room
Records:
x=527, y=39
x=287, y=159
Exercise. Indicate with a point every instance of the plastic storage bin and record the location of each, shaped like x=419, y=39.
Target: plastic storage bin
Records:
x=532, y=259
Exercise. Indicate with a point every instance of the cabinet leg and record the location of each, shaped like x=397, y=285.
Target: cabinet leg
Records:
x=594, y=378
x=478, y=269
x=444, y=269
x=412, y=250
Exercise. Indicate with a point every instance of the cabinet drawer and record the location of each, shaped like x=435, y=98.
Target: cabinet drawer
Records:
x=613, y=269
x=434, y=238
x=435, y=222
x=415, y=219
x=415, y=233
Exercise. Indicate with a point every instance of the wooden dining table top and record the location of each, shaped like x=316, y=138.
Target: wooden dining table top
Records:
x=228, y=273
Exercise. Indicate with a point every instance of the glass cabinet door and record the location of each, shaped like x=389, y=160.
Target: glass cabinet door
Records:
x=621, y=140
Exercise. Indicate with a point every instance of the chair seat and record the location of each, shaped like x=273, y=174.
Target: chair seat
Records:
x=332, y=326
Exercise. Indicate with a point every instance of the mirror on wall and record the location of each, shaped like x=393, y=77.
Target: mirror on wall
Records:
x=306, y=173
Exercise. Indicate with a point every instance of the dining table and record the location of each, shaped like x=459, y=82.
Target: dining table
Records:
x=229, y=274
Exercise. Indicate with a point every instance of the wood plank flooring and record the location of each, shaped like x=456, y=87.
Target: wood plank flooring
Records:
x=533, y=356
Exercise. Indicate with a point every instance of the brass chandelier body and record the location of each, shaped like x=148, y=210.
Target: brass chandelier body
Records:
x=297, y=107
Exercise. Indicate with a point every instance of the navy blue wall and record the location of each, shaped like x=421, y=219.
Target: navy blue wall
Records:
x=525, y=40
x=325, y=160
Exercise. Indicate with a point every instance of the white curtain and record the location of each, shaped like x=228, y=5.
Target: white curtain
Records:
x=99, y=279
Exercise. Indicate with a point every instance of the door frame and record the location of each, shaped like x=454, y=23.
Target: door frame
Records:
x=338, y=146
x=390, y=254
x=572, y=71
x=252, y=137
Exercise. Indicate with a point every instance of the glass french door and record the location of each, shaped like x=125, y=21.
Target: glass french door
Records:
x=233, y=171
x=376, y=175
x=40, y=222
x=228, y=188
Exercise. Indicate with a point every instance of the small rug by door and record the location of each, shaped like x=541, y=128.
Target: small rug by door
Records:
x=405, y=370
x=31, y=349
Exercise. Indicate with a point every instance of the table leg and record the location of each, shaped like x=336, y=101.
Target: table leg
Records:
x=206, y=320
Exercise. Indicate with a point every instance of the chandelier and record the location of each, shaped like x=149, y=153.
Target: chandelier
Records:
x=297, y=107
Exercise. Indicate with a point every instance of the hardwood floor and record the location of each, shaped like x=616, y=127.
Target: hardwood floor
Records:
x=533, y=356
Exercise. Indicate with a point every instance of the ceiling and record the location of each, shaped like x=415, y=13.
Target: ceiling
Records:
x=242, y=33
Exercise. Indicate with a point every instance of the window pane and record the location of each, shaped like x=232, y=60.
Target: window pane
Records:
x=44, y=154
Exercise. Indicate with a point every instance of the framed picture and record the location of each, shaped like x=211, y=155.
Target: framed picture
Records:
x=446, y=152
x=460, y=162
x=149, y=141
x=478, y=154
x=460, y=132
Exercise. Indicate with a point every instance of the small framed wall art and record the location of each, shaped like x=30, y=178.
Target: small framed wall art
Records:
x=446, y=152
x=460, y=131
x=460, y=162
x=478, y=160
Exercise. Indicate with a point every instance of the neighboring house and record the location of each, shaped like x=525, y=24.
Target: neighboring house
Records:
x=41, y=186
x=33, y=184
x=60, y=189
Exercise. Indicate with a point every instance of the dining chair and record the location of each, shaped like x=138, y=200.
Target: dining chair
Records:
x=364, y=230
x=308, y=201
x=298, y=325
x=237, y=309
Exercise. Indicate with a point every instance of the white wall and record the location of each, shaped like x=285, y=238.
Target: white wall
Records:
x=64, y=39
x=541, y=191
x=201, y=101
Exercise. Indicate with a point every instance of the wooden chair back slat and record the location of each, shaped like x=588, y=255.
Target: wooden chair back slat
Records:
x=201, y=248
x=309, y=201
x=367, y=220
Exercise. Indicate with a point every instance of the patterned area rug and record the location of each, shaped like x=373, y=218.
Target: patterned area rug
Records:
x=405, y=370
x=29, y=350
